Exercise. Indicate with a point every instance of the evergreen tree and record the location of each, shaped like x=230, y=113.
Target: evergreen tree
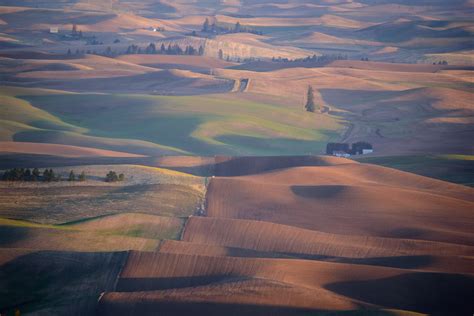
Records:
x=72, y=176
x=82, y=176
x=177, y=50
x=27, y=175
x=6, y=175
x=162, y=48
x=237, y=27
x=201, y=50
x=151, y=49
x=35, y=174
x=205, y=26
x=310, y=100
x=121, y=177
x=111, y=177
x=46, y=175
x=221, y=54
x=52, y=176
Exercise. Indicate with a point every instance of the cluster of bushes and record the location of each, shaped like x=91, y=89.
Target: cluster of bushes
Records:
x=48, y=175
x=356, y=149
x=113, y=177
x=217, y=29
x=313, y=59
x=441, y=62
x=72, y=176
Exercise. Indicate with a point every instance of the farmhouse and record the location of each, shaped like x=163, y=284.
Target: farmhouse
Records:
x=345, y=150
x=54, y=30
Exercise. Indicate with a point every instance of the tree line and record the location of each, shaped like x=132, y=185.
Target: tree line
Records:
x=174, y=49
x=217, y=29
x=48, y=175
x=313, y=59
x=166, y=50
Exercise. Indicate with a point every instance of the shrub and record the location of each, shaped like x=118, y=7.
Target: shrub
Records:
x=72, y=176
x=113, y=177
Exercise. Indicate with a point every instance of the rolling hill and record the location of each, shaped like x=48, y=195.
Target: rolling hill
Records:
x=262, y=261
x=225, y=206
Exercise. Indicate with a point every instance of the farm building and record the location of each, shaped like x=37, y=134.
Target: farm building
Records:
x=54, y=30
x=345, y=150
x=340, y=153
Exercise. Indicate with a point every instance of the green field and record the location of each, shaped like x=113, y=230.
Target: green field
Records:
x=198, y=125
x=452, y=168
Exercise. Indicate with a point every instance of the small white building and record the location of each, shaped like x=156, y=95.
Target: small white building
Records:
x=340, y=153
x=367, y=151
x=54, y=30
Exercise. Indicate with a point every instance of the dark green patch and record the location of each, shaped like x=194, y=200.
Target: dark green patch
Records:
x=454, y=169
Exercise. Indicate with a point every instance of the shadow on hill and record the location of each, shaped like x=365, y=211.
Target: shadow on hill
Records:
x=226, y=166
x=170, y=308
x=267, y=66
x=11, y=234
x=61, y=282
x=431, y=293
x=155, y=284
x=27, y=18
x=401, y=262
x=160, y=82
x=318, y=191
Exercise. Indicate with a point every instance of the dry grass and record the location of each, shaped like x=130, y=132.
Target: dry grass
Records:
x=146, y=190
